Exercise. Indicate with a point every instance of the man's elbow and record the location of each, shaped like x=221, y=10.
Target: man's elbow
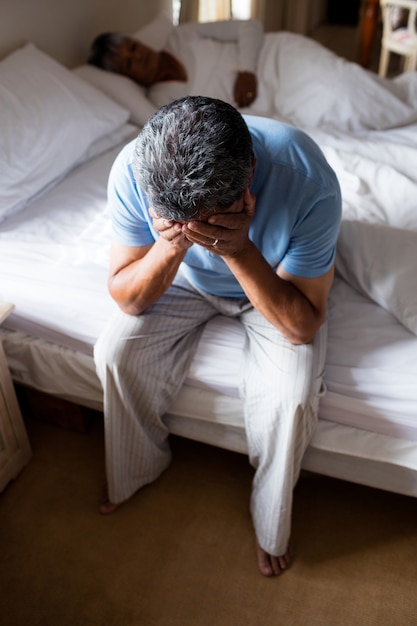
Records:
x=301, y=339
x=305, y=333
x=125, y=304
x=129, y=308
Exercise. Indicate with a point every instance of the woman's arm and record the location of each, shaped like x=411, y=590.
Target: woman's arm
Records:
x=248, y=36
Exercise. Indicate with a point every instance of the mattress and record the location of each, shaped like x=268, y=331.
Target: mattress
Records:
x=53, y=259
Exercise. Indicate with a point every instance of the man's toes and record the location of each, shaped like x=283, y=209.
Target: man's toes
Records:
x=267, y=564
x=107, y=507
x=263, y=561
x=270, y=565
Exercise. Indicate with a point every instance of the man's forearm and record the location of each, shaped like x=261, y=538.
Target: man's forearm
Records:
x=140, y=283
x=278, y=300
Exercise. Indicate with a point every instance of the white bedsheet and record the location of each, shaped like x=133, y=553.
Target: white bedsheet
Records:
x=54, y=268
x=54, y=259
x=311, y=87
x=301, y=82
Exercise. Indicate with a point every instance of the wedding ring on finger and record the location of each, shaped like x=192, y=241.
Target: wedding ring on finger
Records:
x=215, y=242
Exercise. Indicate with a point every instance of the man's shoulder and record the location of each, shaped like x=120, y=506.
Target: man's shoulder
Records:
x=122, y=165
x=291, y=148
x=274, y=129
x=127, y=152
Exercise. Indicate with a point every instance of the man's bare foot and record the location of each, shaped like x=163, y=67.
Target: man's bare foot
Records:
x=106, y=507
x=270, y=565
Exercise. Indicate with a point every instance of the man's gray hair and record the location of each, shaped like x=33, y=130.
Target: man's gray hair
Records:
x=193, y=158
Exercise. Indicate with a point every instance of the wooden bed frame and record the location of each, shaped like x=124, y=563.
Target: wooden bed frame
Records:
x=369, y=23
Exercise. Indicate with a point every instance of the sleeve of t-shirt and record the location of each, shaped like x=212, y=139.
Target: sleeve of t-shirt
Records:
x=128, y=205
x=312, y=247
x=247, y=34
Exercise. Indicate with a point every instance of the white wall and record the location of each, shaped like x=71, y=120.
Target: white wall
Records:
x=64, y=29
x=126, y=15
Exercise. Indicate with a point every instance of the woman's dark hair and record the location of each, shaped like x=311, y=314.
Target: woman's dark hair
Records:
x=104, y=51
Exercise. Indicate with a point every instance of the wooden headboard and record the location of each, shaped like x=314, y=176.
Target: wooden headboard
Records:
x=65, y=30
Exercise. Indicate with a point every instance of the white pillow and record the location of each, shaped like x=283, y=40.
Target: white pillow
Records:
x=49, y=118
x=381, y=262
x=155, y=34
x=121, y=89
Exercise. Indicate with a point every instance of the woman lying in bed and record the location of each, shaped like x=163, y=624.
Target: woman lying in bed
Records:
x=281, y=75
x=185, y=48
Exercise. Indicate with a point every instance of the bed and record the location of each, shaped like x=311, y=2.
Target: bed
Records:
x=57, y=147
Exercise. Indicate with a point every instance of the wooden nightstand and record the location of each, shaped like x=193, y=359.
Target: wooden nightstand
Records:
x=15, y=451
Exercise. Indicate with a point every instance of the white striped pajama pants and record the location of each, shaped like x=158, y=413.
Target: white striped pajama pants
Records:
x=142, y=362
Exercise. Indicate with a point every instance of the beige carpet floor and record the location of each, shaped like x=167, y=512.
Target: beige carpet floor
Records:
x=181, y=551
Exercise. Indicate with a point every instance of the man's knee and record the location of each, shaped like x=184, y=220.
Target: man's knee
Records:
x=108, y=350
x=289, y=408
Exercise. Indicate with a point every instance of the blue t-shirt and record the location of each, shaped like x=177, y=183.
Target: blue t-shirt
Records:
x=297, y=211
